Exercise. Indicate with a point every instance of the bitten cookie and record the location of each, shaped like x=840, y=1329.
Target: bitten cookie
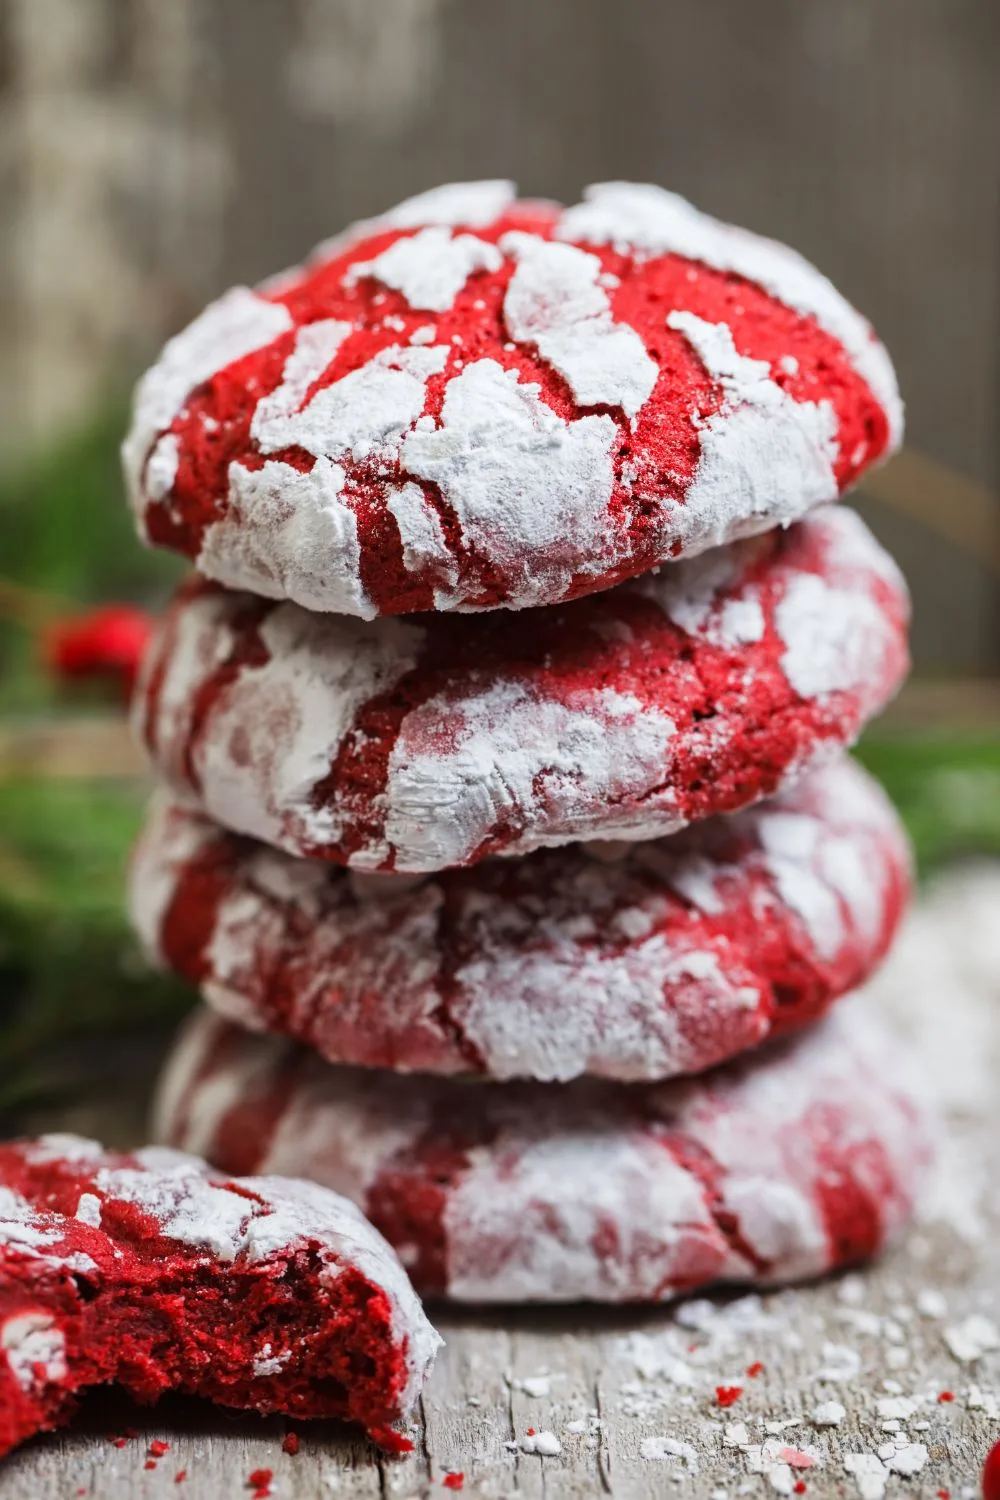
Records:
x=633, y=961
x=419, y=744
x=805, y=1157
x=153, y=1271
x=473, y=402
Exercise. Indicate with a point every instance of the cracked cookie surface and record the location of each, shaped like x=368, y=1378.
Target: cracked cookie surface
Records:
x=634, y=961
x=801, y=1159
x=474, y=402
x=428, y=742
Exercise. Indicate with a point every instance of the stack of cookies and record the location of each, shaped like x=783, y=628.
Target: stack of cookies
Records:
x=506, y=826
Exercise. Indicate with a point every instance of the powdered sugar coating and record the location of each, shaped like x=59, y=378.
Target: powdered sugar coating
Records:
x=35, y=1349
x=418, y=745
x=555, y=301
x=194, y=1224
x=804, y=1158
x=431, y=267
x=672, y=958
x=765, y=458
x=497, y=436
x=566, y=415
x=648, y=219
x=236, y=325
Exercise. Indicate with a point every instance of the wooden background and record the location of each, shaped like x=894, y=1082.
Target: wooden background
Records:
x=151, y=152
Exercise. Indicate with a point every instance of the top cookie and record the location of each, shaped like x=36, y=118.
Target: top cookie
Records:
x=473, y=402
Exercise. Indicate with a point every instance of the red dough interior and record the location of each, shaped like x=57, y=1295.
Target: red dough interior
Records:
x=153, y=1315
x=663, y=449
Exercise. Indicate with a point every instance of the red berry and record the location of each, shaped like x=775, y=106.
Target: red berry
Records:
x=108, y=642
x=800, y=1487
x=260, y=1479
x=180, y=1476
x=991, y=1474
x=453, y=1481
x=946, y=1396
x=755, y=1369
x=291, y=1443
x=158, y=1447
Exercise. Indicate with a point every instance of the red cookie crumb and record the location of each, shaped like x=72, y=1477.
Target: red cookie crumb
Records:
x=800, y=1487
x=802, y=1158
x=755, y=1369
x=668, y=959
x=473, y=402
x=150, y=1463
x=259, y=1479
x=158, y=1448
x=180, y=1476
x=290, y=1444
x=426, y=744
x=727, y=1395
x=991, y=1474
x=946, y=1396
x=153, y=1271
x=453, y=1481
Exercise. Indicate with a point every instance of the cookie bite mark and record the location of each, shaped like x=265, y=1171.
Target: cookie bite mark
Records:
x=152, y=1271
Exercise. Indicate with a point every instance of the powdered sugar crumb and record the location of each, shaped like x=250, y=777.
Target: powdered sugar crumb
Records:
x=975, y=1336
x=666, y=1447
x=545, y=1444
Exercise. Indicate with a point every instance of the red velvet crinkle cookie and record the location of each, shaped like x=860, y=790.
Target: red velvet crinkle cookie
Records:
x=472, y=402
x=419, y=744
x=635, y=961
x=155, y=1272
x=804, y=1158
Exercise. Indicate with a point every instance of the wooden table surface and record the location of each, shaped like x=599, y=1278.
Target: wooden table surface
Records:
x=626, y=1399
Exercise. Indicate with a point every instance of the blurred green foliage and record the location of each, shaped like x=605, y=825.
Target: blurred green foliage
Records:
x=68, y=963
x=945, y=785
